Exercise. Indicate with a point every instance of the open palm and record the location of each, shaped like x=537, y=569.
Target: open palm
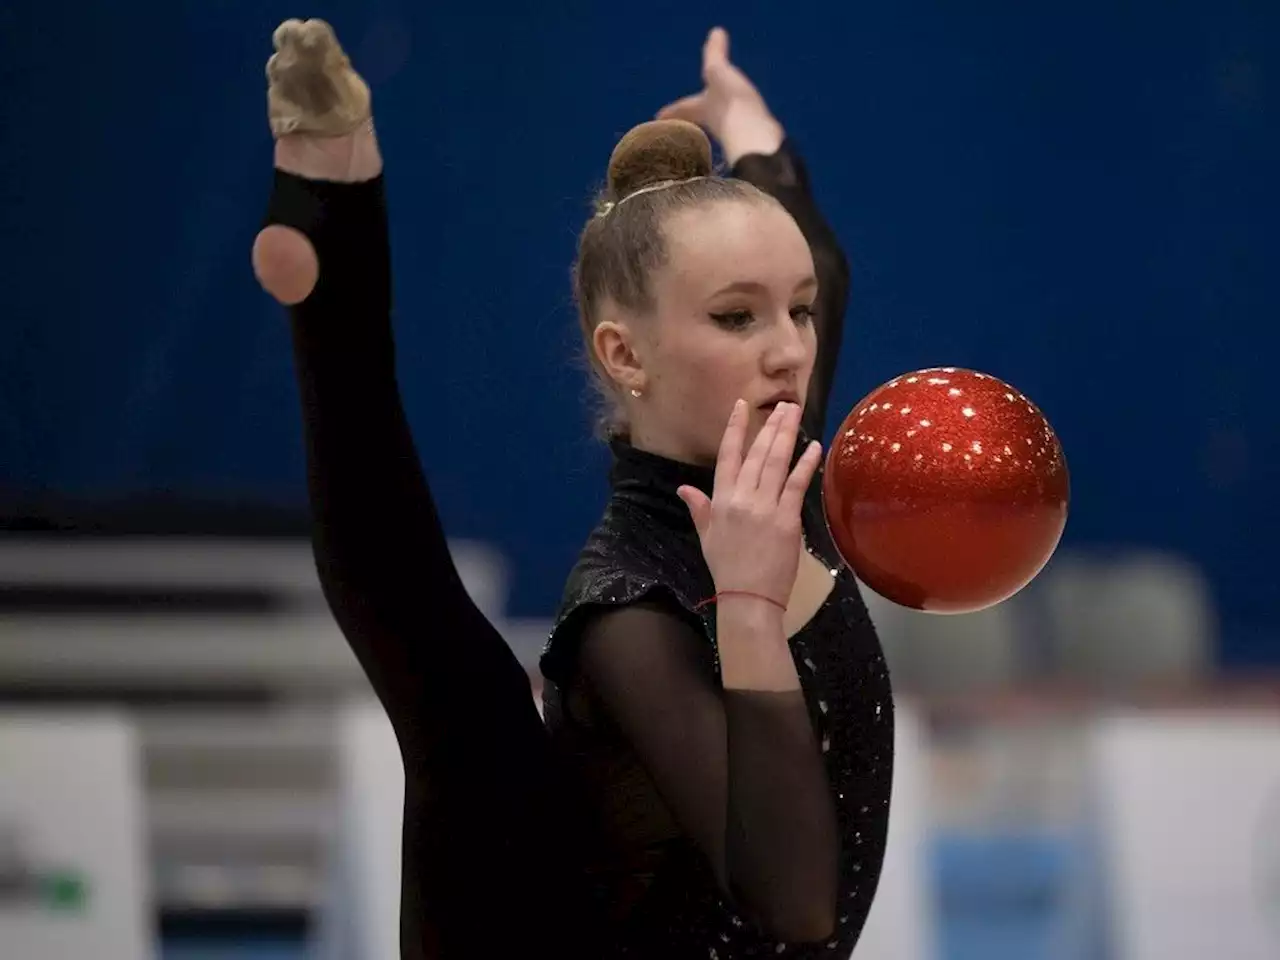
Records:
x=729, y=107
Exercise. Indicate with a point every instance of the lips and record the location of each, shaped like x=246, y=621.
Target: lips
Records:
x=774, y=401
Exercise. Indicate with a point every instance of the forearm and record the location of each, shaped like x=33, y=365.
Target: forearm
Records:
x=753, y=647
x=782, y=174
x=735, y=760
x=778, y=169
x=780, y=834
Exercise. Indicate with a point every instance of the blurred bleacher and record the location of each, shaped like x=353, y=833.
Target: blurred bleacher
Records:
x=227, y=659
x=226, y=656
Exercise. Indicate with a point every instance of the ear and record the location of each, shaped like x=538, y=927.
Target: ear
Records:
x=614, y=343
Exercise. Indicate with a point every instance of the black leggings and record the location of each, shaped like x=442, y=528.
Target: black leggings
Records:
x=490, y=859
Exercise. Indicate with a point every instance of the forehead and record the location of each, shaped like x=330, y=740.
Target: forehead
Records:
x=713, y=246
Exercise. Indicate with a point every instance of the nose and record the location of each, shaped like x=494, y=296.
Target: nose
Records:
x=788, y=351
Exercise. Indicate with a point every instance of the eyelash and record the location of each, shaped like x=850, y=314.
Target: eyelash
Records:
x=739, y=319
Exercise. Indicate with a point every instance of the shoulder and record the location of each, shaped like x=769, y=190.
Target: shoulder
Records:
x=625, y=564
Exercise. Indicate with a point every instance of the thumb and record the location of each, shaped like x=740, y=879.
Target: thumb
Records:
x=689, y=108
x=699, y=506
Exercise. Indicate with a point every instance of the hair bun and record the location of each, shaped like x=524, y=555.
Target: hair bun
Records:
x=657, y=151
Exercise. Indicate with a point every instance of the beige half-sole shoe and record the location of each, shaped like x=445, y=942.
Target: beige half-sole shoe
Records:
x=312, y=88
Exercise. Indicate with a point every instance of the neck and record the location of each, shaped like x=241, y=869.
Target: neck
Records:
x=651, y=479
x=667, y=448
x=663, y=470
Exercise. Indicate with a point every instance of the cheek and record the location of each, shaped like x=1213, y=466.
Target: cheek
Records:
x=708, y=380
x=811, y=339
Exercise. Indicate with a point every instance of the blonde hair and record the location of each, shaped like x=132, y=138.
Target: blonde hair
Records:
x=657, y=169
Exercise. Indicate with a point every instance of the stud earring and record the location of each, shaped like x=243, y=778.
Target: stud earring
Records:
x=635, y=393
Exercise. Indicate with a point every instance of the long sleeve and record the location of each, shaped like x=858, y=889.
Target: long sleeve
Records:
x=783, y=175
x=381, y=554
x=739, y=770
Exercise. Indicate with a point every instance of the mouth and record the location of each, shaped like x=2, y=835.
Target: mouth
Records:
x=773, y=401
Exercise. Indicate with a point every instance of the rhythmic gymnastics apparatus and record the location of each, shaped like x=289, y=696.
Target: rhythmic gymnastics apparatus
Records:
x=712, y=776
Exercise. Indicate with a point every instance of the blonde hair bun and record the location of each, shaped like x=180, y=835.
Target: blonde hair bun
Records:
x=656, y=152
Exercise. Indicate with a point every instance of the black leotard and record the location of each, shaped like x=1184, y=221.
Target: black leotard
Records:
x=713, y=822
x=517, y=839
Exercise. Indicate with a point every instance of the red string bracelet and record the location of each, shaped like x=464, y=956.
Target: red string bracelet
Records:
x=740, y=593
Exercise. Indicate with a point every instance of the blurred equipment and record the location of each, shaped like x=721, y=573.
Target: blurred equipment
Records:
x=1139, y=618
x=1188, y=808
x=73, y=871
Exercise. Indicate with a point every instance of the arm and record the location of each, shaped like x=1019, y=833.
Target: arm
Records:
x=731, y=108
x=737, y=766
x=782, y=174
x=738, y=763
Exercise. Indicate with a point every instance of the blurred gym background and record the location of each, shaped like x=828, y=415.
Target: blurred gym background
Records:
x=1080, y=199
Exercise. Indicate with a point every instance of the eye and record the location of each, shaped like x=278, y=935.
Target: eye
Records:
x=803, y=314
x=733, y=319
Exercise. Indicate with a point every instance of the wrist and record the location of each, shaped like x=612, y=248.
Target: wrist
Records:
x=762, y=135
x=756, y=613
x=753, y=646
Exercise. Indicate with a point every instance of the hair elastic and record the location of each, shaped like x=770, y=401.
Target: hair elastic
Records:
x=609, y=206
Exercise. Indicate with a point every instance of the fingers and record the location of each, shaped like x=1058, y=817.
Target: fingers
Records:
x=715, y=57
x=778, y=457
x=699, y=506
x=729, y=459
x=753, y=466
x=691, y=108
x=798, y=483
x=715, y=52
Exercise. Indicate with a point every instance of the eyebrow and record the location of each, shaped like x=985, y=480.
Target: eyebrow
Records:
x=750, y=286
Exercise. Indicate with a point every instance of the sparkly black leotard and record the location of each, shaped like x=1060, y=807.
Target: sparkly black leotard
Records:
x=575, y=838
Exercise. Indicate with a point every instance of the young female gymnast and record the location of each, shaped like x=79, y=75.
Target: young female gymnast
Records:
x=713, y=775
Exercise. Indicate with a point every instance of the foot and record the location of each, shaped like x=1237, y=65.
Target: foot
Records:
x=312, y=88
x=318, y=106
x=319, y=110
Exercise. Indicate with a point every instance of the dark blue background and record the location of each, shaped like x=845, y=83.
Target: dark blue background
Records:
x=1078, y=198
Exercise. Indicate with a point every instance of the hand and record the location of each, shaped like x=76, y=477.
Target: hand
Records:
x=729, y=107
x=750, y=528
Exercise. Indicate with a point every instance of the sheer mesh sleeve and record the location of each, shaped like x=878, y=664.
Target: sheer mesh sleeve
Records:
x=739, y=770
x=783, y=175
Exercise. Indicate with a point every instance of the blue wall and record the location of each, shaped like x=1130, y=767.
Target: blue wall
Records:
x=1081, y=200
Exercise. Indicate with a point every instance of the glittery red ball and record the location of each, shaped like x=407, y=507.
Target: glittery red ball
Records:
x=946, y=490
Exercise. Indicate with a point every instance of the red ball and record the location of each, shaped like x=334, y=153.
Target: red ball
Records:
x=946, y=490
